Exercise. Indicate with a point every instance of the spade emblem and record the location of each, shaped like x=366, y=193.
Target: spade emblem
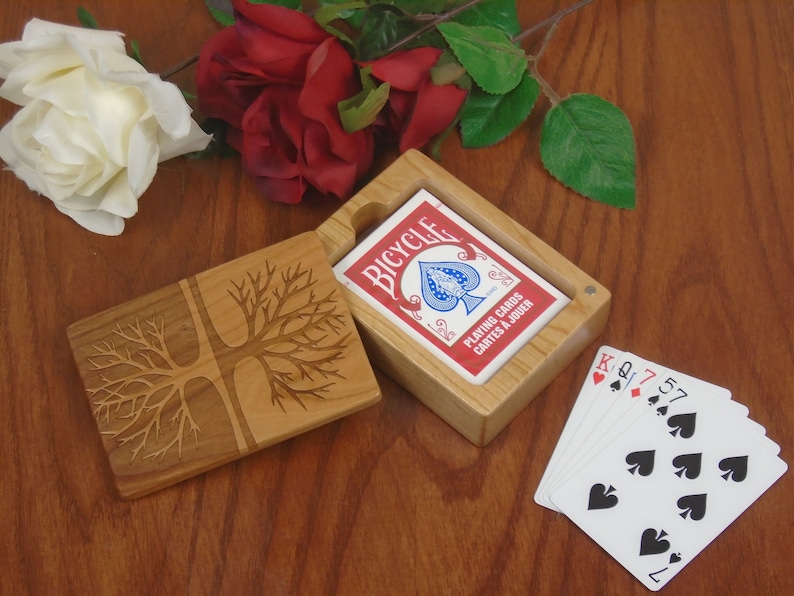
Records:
x=688, y=465
x=447, y=283
x=683, y=425
x=735, y=468
x=653, y=542
x=693, y=506
x=641, y=462
x=602, y=497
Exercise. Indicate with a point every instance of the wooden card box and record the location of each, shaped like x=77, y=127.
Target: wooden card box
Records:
x=221, y=364
x=479, y=412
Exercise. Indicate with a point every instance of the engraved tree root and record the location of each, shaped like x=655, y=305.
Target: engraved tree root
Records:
x=144, y=381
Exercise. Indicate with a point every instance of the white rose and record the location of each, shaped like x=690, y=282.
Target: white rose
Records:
x=94, y=125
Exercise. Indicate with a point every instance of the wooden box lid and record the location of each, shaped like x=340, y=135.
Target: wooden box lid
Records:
x=221, y=364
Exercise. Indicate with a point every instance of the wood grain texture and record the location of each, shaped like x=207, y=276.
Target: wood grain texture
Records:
x=392, y=500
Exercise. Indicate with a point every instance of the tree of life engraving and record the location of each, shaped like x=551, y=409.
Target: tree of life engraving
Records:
x=289, y=329
x=294, y=333
x=149, y=382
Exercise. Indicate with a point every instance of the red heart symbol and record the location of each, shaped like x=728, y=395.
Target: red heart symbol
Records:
x=598, y=377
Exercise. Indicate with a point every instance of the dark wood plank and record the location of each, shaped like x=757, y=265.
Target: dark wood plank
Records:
x=391, y=499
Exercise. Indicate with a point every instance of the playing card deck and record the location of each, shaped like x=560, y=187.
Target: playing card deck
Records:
x=654, y=464
x=450, y=288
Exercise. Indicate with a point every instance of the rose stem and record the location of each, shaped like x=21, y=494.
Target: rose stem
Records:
x=182, y=65
x=551, y=20
x=452, y=13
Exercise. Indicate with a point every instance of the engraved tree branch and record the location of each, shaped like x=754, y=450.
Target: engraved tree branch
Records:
x=137, y=385
x=293, y=333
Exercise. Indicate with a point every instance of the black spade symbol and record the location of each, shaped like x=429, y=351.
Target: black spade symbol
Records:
x=683, y=425
x=735, y=468
x=601, y=497
x=653, y=400
x=615, y=386
x=694, y=506
x=661, y=411
x=675, y=558
x=653, y=543
x=641, y=462
x=688, y=465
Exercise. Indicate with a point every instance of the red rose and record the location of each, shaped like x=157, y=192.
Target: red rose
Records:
x=417, y=109
x=276, y=78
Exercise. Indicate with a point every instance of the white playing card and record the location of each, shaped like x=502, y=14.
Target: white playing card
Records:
x=629, y=405
x=615, y=405
x=599, y=370
x=598, y=414
x=662, y=490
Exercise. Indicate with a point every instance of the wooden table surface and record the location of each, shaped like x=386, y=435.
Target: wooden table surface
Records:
x=392, y=500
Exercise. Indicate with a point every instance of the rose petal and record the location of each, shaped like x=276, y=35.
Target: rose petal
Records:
x=119, y=198
x=226, y=80
x=66, y=91
x=143, y=156
x=330, y=79
x=45, y=49
x=268, y=149
x=196, y=140
x=292, y=24
x=323, y=170
x=435, y=109
x=281, y=56
x=407, y=69
x=113, y=111
x=282, y=191
x=43, y=32
x=99, y=222
x=28, y=80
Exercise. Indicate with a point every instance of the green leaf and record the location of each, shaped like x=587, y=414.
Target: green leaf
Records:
x=86, y=19
x=500, y=14
x=354, y=17
x=417, y=7
x=486, y=119
x=488, y=55
x=221, y=11
x=293, y=4
x=331, y=12
x=587, y=144
x=385, y=25
x=135, y=52
x=360, y=111
x=448, y=70
x=337, y=10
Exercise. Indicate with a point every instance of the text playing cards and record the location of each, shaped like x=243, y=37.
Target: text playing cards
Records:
x=654, y=464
